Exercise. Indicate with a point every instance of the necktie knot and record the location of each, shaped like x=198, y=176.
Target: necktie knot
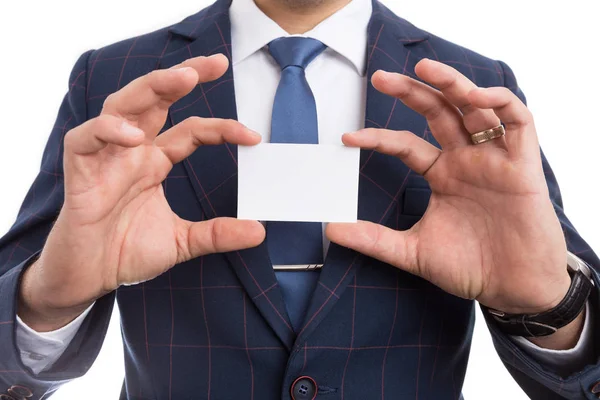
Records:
x=295, y=51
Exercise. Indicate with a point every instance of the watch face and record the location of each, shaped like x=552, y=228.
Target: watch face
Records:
x=574, y=264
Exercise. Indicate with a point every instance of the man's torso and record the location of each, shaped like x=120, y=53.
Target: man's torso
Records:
x=216, y=327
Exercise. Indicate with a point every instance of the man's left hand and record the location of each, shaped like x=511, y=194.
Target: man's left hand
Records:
x=490, y=231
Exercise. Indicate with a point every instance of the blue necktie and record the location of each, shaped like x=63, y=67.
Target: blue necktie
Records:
x=295, y=121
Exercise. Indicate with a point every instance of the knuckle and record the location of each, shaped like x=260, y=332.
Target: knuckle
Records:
x=69, y=138
x=404, y=153
x=192, y=122
x=434, y=112
x=110, y=102
x=507, y=93
x=235, y=126
x=404, y=92
x=215, y=234
x=191, y=126
x=451, y=81
x=227, y=124
x=372, y=131
x=378, y=244
x=528, y=116
x=184, y=242
x=468, y=109
x=153, y=75
x=382, y=140
x=153, y=80
x=104, y=123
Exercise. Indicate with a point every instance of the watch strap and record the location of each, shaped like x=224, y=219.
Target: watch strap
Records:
x=548, y=322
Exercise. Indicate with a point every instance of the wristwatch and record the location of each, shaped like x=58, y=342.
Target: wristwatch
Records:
x=548, y=322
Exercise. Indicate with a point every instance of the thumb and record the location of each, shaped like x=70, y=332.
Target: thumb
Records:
x=218, y=235
x=376, y=241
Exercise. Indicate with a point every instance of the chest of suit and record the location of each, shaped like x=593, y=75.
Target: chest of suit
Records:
x=218, y=324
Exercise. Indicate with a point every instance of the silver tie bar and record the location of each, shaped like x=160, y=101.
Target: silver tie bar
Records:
x=301, y=267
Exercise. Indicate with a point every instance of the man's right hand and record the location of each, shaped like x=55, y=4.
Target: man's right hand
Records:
x=115, y=227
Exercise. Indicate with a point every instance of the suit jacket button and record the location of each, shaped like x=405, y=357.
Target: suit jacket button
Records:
x=596, y=389
x=304, y=388
x=20, y=392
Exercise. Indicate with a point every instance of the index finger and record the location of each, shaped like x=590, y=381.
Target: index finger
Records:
x=162, y=88
x=456, y=87
x=444, y=119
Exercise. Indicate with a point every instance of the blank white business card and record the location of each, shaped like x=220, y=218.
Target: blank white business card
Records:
x=298, y=182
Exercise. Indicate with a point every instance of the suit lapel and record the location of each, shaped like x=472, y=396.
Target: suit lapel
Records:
x=213, y=169
x=396, y=46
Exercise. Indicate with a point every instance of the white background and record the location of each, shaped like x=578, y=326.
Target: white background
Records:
x=552, y=47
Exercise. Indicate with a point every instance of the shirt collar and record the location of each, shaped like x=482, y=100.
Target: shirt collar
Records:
x=345, y=32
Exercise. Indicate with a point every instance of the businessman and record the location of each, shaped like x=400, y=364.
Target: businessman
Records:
x=136, y=201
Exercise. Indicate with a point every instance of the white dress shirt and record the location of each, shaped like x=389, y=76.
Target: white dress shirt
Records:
x=337, y=79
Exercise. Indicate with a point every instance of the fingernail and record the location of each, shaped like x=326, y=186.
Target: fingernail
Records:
x=385, y=75
x=183, y=70
x=254, y=133
x=357, y=133
x=130, y=130
x=214, y=55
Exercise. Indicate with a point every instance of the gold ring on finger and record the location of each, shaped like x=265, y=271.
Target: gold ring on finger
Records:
x=488, y=134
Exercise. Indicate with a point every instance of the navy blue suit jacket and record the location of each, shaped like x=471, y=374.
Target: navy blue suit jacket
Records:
x=216, y=327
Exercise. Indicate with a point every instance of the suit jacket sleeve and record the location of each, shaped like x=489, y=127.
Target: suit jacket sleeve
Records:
x=538, y=380
x=21, y=245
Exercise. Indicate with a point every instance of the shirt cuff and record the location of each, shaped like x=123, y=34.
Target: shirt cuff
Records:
x=40, y=350
x=564, y=362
